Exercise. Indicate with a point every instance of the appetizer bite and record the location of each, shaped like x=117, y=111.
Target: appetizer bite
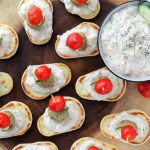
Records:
x=37, y=19
x=6, y=83
x=80, y=41
x=88, y=143
x=132, y=127
x=9, y=41
x=40, y=81
x=100, y=85
x=36, y=146
x=64, y=114
x=15, y=119
x=86, y=9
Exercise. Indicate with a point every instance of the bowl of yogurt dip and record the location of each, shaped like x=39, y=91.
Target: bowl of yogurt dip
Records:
x=124, y=42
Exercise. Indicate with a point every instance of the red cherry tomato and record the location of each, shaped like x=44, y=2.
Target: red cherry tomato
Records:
x=43, y=73
x=128, y=133
x=81, y=2
x=35, y=16
x=144, y=89
x=103, y=86
x=93, y=148
x=4, y=120
x=74, y=41
x=57, y=103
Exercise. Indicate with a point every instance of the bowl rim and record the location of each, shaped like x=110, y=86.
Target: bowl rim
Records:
x=108, y=16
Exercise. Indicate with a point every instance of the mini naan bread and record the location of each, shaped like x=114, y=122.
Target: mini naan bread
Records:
x=80, y=26
x=83, y=93
x=34, y=41
x=92, y=15
x=81, y=141
x=6, y=84
x=104, y=126
x=14, y=42
x=48, y=133
x=39, y=96
x=24, y=109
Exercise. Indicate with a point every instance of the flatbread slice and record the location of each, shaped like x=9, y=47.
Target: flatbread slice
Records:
x=81, y=141
x=93, y=15
x=48, y=133
x=82, y=25
x=39, y=96
x=106, y=121
x=14, y=105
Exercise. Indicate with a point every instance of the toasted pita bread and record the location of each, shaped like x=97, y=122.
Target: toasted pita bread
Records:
x=82, y=25
x=14, y=105
x=46, y=144
x=32, y=40
x=14, y=43
x=39, y=96
x=93, y=15
x=6, y=84
x=81, y=141
x=85, y=95
x=106, y=121
x=48, y=133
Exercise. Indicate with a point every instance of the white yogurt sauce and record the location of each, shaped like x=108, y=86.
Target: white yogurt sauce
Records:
x=125, y=43
x=58, y=79
x=19, y=124
x=142, y=125
x=88, y=84
x=36, y=147
x=91, y=36
x=85, y=145
x=45, y=30
x=66, y=125
x=5, y=43
x=84, y=10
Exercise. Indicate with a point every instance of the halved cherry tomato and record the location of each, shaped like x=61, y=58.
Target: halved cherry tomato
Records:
x=75, y=41
x=128, y=133
x=57, y=103
x=4, y=120
x=80, y=2
x=144, y=89
x=43, y=73
x=35, y=16
x=103, y=86
x=93, y=148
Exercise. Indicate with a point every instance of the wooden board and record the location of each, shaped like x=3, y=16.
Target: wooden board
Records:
x=30, y=54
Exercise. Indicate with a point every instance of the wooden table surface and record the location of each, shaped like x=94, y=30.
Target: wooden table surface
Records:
x=29, y=54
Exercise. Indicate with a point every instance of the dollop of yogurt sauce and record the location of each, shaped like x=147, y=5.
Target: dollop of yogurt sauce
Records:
x=85, y=145
x=84, y=10
x=125, y=43
x=88, y=84
x=57, y=79
x=5, y=40
x=91, y=37
x=142, y=125
x=66, y=125
x=20, y=122
x=36, y=147
x=45, y=30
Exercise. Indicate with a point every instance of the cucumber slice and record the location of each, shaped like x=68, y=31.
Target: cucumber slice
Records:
x=119, y=131
x=144, y=10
